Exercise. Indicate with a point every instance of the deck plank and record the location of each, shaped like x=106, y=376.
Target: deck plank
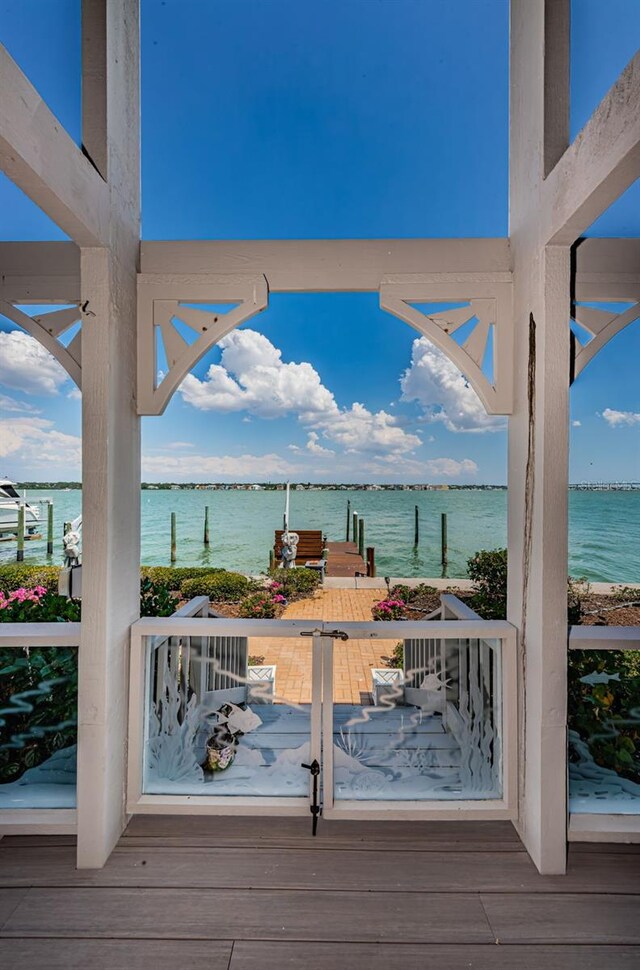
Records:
x=10, y=899
x=56, y=954
x=306, y=869
x=245, y=915
x=564, y=918
x=358, y=956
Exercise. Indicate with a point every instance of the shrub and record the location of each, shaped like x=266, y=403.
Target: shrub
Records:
x=388, y=610
x=296, y=583
x=156, y=599
x=396, y=657
x=258, y=606
x=20, y=575
x=174, y=576
x=488, y=570
x=410, y=594
x=577, y=589
x=37, y=606
x=219, y=587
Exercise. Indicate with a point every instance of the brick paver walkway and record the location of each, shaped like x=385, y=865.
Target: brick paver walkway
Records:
x=353, y=659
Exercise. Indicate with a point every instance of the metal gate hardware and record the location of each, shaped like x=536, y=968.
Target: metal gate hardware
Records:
x=314, y=808
x=331, y=634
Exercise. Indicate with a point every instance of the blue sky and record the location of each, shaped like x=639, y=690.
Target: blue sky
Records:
x=350, y=118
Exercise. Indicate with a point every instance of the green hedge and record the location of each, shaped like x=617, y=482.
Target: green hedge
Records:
x=175, y=576
x=220, y=587
x=296, y=583
x=15, y=575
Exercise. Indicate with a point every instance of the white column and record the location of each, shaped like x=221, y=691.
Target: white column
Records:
x=111, y=455
x=538, y=442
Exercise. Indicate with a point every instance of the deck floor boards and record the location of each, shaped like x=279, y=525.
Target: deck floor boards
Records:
x=236, y=893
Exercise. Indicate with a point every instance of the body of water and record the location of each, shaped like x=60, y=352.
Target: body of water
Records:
x=604, y=538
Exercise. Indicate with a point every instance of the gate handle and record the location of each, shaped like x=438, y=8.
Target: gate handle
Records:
x=314, y=808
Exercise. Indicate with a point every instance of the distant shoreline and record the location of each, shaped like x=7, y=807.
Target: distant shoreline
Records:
x=331, y=487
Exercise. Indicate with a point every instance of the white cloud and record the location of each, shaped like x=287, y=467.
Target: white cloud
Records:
x=214, y=468
x=314, y=447
x=438, y=386
x=36, y=443
x=422, y=471
x=26, y=366
x=576, y=424
x=12, y=405
x=75, y=394
x=252, y=376
x=617, y=419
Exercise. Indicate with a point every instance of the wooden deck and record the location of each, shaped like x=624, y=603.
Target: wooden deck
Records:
x=246, y=893
x=345, y=560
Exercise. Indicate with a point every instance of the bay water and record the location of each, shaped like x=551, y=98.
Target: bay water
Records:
x=604, y=535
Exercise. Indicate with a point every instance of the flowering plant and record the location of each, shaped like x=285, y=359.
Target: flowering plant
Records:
x=37, y=605
x=388, y=609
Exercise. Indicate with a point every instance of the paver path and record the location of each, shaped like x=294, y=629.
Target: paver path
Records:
x=353, y=659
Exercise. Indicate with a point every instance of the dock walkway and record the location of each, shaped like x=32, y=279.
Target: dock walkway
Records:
x=345, y=560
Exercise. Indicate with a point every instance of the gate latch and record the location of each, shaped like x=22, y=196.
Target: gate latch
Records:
x=314, y=768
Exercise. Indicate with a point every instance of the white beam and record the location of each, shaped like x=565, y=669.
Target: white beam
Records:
x=598, y=166
x=110, y=462
x=296, y=265
x=94, y=83
x=39, y=272
x=41, y=158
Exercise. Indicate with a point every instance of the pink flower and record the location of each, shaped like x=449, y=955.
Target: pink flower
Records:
x=279, y=599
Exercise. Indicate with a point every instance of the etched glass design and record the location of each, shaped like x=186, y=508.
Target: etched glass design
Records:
x=431, y=729
x=216, y=724
x=38, y=727
x=604, y=732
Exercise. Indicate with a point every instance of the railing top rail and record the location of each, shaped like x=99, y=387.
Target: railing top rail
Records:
x=39, y=634
x=197, y=605
x=376, y=630
x=604, y=638
x=459, y=609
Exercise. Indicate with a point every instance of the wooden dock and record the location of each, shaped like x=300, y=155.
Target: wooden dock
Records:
x=344, y=560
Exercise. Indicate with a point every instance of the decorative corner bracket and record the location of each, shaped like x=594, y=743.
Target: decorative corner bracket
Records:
x=486, y=306
x=47, y=328
x=598, y=326
x=166, y=301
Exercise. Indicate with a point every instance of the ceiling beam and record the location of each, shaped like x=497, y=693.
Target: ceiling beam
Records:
x=602, y=161
x=43, y=160
x=331, y=265
x=39, y=272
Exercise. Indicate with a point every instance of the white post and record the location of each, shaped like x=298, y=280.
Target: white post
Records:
x=111, y=449
x=286, y=511
x=538, y=441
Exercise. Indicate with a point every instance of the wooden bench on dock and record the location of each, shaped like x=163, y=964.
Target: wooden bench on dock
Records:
x=311, y=544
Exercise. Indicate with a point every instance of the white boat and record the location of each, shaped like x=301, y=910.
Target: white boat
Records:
x=10, y=502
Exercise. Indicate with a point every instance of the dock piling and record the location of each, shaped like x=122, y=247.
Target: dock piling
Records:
x=361, y=537
x=272, y=560
x=348, y=518
x=20, y=552
x=173, y=537
x=354, y=518
x=50, y=529
x=443, y=543
x=371, y=561
x=416, y=527
x=206, y=525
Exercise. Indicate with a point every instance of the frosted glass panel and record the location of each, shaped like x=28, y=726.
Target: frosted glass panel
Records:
x=38, y=727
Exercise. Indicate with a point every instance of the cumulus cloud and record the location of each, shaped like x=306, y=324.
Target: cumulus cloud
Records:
x=445, y=395
x=14, y=406
x=314, y=446
x=26, y=366
x=576, y=424
x=252, y=377
x=422, y=470
x=36, y=442
x=214, y=468
x=618, y=419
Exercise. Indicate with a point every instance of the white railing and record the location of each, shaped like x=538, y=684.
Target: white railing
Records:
x=621, y=797
x=32, y=819
x=485, y=650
